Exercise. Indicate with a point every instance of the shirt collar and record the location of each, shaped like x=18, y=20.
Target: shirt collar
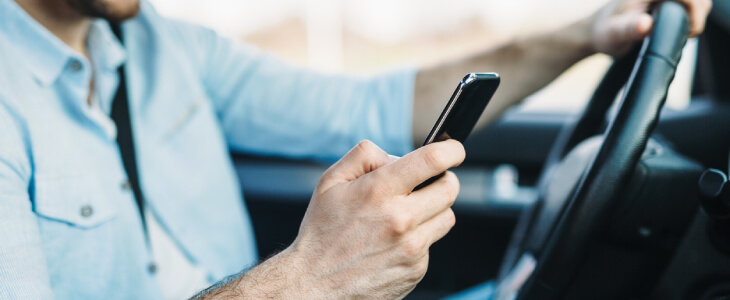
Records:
x=45, y=54
x=105, y=49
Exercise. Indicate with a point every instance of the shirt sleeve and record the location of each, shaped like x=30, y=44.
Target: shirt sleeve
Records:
x=269, y=107
x=23, y=273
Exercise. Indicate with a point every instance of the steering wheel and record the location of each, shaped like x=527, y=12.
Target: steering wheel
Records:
x=580, y=186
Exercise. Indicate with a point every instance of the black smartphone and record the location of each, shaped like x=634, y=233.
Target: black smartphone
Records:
x=462, y=111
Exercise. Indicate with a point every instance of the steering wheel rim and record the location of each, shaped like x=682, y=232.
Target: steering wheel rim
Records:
x=589, y=123
x=588, y=207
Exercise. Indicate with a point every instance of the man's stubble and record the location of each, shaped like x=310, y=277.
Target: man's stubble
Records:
x=110, y=10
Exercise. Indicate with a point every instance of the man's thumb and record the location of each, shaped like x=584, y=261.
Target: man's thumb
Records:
x=633, y=27
x=644, y=23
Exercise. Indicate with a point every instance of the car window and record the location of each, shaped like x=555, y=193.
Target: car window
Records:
x=366, y=36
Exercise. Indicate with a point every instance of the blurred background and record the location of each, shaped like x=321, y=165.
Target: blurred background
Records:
x=367, y=36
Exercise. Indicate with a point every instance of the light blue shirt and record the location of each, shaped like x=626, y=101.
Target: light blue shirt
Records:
x=68, y=227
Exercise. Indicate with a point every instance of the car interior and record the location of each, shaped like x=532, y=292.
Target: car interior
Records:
x=615, y=202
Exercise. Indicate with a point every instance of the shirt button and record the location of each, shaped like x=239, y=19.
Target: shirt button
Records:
x=86, y=211
x=75, y=65
x=152, y=268
x=126, y=185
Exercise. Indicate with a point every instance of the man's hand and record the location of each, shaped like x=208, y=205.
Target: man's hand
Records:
x=365, y=234
x=619, y=24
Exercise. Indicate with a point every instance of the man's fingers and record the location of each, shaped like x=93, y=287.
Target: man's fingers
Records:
x=698, y=16
x=697, y=10
x=437, y=227
x=402, y=175
x=434, y=198
x=360, y=160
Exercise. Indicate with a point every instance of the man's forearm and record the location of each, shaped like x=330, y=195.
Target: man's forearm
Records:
x=525, y=66
x=275, y=278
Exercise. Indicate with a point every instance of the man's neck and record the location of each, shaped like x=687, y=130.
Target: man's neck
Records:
x=61, y=20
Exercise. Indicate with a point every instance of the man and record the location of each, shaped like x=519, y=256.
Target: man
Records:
x=70, y=226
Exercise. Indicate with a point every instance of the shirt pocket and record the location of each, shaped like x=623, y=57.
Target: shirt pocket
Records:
x=76, y=200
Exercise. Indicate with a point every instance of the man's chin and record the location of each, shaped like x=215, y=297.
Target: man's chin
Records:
x=119, y=17
x=110, y=10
